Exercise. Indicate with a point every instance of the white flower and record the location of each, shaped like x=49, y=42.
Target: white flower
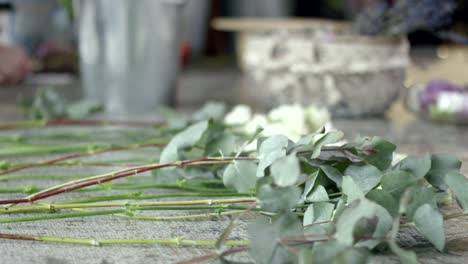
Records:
x=450, y=102
x=291, y=116
x=317, y=117
x=239, y=115
x=258, y=120
x=292, y=121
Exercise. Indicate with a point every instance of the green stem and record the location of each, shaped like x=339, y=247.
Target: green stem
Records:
x=140, y=196
x=98, y=242
x=142, y=186
x=78, y=136
x=128, y=213
x=59, y=216
x=124, y=196
x=455, y=215
x=86, y=182
x=91, y=150
x=179, y=217
x=42, y=176
x=27, y=189
x=24, y=124
x=41, y=149
x=80, y=122
x=187, y=186
x=52, y=207
x=335, y=194
x=77, y=163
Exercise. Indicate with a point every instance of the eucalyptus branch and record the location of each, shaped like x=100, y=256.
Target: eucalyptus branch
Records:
x=182, y=185
x=140, y=196
x=80, y=122
x=42, y=176
x=455, y=215
x=99, y=242
x=81, y=183
x=81, y=135
x=179, y=217
x=214, y=256
x=51, y=207
x=78, y=155
x=127, y=213
x=78, y=163
x=42, y=149
x=140, y=186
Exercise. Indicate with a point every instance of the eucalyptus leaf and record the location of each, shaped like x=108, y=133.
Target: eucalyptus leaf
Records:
x=316, y=229
x=366, y=176
x=333, y=174
x=340, y=155
x=351, y=189
x=396, y=182
x=441, y=164
x=430, y=223
x=305, y=256
x=346, y=223
x=240, y=175
x=278, y=199
x=210, y=110
x=47, y=104
x=352, y=256
x=383, y=156
x=265, y=247
x=309, y=138
x=185, y=139
x=175, y=120
x=285, y=171
x=319, y=194
x=324, y=252
x=329, y=138
x=309, y=185
x=225, y=144
x=384, y=224
x=419, y=195
x=4, y=165
x=385, y=200
x=270, y=150
x=459, y=185
x=418, y=166
x=406, y=256
x=340, y=207
x=318, y=212
x=83, y=108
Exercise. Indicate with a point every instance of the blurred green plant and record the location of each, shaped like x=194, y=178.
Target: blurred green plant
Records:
x=48, y=104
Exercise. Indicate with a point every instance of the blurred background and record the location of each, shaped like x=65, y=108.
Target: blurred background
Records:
x=390, y=59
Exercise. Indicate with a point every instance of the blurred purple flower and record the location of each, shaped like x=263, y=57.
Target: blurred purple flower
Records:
x=432, y=91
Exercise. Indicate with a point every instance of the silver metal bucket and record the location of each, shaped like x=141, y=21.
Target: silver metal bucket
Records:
x=129, y=52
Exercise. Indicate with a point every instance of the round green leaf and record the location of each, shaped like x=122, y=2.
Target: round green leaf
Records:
x=286, y=170
x=240, y=175
x=430, y=224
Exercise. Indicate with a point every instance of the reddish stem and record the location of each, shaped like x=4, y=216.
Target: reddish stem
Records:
x=77, y=155
x=121, y=174
x=213, y=256
x=16, y=237
x=92, y=122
